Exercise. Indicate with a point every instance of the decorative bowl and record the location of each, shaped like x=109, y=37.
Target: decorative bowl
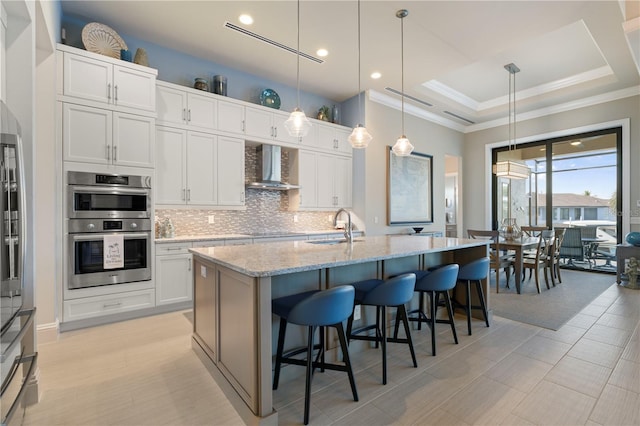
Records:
x=633, y=238
x=418, y=229
x=270, y=98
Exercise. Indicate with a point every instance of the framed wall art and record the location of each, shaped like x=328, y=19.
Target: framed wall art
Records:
x=409, y=189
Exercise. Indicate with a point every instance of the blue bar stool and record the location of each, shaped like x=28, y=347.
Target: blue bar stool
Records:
x=394, y=292
x=473, y=271
x=434, y=283
x=328, y=308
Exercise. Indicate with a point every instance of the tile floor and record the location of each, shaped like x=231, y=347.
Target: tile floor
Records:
x=143, y=372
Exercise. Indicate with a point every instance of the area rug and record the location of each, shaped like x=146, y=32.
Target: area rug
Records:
x=551, y=308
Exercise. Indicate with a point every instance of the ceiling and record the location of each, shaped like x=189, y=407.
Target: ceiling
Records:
x=569, y=52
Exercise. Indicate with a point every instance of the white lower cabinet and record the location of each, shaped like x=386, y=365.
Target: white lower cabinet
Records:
x=90, y=307
x=174, y=276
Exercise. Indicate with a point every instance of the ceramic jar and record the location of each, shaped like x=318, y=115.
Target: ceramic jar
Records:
x=201, y=84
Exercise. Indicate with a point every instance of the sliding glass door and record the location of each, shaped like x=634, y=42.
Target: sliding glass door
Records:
x=573, y=183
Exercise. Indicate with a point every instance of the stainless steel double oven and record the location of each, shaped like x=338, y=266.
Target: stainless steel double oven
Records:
x=107, y=214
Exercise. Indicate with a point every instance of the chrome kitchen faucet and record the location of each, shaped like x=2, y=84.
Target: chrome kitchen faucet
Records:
x=348, y=232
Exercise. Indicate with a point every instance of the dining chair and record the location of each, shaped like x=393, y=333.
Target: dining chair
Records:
x=545, y=243
x=498, y=259
x=554, y=257
x=572, y=248
x=532, y=231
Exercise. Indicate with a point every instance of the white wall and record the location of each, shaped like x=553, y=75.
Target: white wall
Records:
x=47, y=262
x=28, y=87
x=384, y=124
x=3, y=51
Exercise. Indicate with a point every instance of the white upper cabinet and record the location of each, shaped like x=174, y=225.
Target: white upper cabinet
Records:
x=96, y=135
x=334, y=181
x=325, y=181
x=231, y=117
x=333, y=138
x=185, y=108
x=263, y=123
x=201, y=169
x=118, y=85
x=230, y=171
x=308, y=180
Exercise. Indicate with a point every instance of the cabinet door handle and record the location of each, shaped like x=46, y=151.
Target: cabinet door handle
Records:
x=109, y=91
x=173, y=248
x=108, y=151
x=189, y=264
x=242, y=125
x=242, y=197
x=276, y=132
x=184, y=194
x=188, y=194
x=115, y=153
x=111, y=305
x=189, y=116
x=184, y=114
x=115, y=90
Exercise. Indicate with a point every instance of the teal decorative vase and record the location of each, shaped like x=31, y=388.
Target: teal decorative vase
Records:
x=633, y=238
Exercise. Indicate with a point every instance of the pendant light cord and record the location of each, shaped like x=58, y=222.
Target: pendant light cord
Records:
x=298, y=59
x=359, y=90
x=510, y=93
x=402, y=69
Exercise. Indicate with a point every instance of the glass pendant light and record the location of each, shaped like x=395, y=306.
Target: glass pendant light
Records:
x=360, y=137
x=402, y=147
x=298, y=124
x=511, y=169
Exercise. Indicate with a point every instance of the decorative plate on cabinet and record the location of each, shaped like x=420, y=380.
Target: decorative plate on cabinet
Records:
x=99, y=38
x=270, y=98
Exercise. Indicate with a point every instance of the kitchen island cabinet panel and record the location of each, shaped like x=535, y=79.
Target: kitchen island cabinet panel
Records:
x=238, y=341
x=205, y=307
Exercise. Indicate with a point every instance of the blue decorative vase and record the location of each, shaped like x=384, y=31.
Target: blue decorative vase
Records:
x=633, y=238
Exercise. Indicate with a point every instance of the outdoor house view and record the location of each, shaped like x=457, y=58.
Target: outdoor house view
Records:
x=583, y=180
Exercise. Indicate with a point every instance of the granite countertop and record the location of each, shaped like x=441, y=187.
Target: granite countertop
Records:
x=218, y=237
x=263, y=260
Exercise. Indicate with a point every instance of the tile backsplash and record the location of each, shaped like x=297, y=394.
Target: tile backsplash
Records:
x=266, y=211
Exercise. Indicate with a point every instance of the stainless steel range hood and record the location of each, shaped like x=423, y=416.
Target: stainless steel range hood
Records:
x=269, y=169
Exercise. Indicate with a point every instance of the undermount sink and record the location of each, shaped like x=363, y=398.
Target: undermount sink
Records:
x=330, y=242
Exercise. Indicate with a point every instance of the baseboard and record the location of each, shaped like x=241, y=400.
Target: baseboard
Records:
x=123, y=316
x=47, y=333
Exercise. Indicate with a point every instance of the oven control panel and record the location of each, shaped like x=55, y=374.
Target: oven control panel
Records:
x=77, y=226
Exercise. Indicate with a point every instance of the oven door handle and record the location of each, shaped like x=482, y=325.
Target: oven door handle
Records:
x=104, y=190
x=126, y=235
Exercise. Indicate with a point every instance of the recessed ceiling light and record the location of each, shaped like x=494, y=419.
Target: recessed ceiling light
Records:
x=322, y=52
x=246, y=19
x=376, y=75
x=576, y=142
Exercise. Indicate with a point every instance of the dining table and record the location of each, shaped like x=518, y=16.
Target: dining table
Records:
x=518, y=246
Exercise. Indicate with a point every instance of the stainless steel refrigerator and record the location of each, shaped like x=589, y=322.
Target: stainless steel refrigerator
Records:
x=18, y=356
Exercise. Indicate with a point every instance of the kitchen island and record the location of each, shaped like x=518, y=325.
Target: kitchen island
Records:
x=234, y=329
